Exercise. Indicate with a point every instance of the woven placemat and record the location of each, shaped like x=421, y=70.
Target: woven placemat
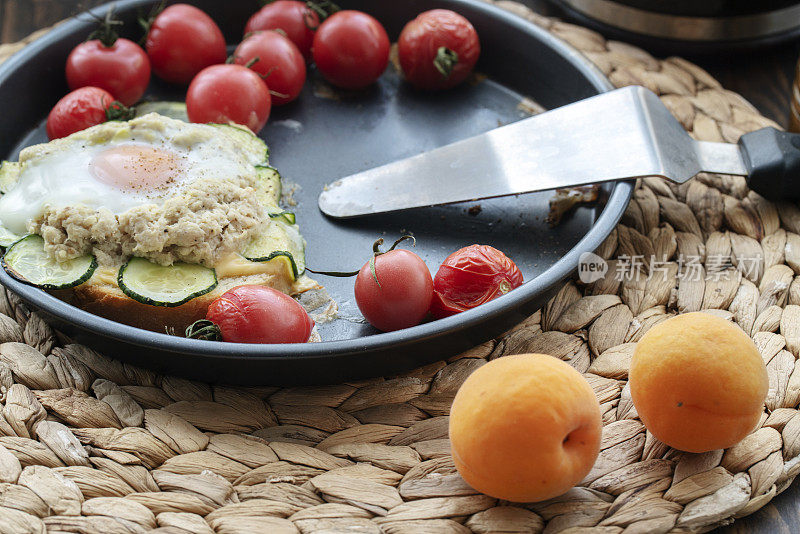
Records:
x=90, y=444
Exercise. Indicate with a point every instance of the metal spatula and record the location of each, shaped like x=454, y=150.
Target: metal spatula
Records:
x=627, y=133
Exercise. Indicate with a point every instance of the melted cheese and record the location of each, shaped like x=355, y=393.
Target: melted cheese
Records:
x=231, y=266
x=105, y=276
x=235, y=265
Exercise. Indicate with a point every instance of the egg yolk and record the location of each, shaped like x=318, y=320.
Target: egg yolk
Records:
x=135, y=167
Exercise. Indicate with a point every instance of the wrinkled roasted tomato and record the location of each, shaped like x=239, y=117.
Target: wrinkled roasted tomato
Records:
x=80, y=109
x=259, y=314
x=470, y=277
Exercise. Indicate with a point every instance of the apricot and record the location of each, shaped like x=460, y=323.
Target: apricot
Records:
x=525, y=428
x=698, y=382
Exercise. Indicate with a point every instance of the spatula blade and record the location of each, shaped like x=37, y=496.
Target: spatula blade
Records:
x=621, y=134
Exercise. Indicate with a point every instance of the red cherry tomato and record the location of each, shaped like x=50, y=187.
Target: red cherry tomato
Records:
x=470, y=277
x=404, y=295
x=77, y=111
x=293, y=17
x=279, y=62
x=122, y=69
x=438, y=49
x=351, y=49
x=259, y=314
x=229, y=93
x=182, y=41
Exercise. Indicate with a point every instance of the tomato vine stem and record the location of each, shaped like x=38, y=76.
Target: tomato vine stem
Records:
x=323, y=9
x=204, y=329
x=117, y=111
x=105, y=32
x=338, y=274
x=445, y=61
x=376, y=251
x=145, y=21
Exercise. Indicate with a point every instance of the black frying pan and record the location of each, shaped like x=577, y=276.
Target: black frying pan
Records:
x=317, y=140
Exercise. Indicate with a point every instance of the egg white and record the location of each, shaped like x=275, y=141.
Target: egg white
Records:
x=59, y=175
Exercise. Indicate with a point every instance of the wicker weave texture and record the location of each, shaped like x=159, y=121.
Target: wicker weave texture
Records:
x=89, y=444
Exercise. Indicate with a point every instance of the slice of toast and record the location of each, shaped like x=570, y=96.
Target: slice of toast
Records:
x=276, y=259
x=107, y=300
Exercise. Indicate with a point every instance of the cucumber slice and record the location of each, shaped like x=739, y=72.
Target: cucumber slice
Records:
x=281, y=242
x=9, y=174
x=297, y=245
x=8, y=238
x=246, y=139
x=173, y=110
x=268, y=185
x=284, y=216
x=159, y=285
x=26, y=260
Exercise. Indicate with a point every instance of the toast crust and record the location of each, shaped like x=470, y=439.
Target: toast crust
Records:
x=109, y=301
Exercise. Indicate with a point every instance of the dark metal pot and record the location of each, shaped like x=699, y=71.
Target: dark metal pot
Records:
x=690, y=25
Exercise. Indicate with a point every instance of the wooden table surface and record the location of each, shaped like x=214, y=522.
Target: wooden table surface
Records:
x=763, y=77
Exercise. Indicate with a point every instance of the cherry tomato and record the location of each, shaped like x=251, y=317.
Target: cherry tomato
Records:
x=122, y=68
x=470, y=277
x=182, y=41
x=404, y=295
x=280, y=63
x=229, y=93
x=438, y=49
x=293, y=17
x=259, y=314
x=351, y=49
x=77, y=111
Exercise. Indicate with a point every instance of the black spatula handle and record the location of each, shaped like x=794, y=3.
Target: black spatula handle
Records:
x=772, y=158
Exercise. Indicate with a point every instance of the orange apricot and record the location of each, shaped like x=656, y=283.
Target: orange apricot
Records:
x=525, y=428
x=698, y=382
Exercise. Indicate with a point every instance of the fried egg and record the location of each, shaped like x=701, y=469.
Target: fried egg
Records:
x=118, y=166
